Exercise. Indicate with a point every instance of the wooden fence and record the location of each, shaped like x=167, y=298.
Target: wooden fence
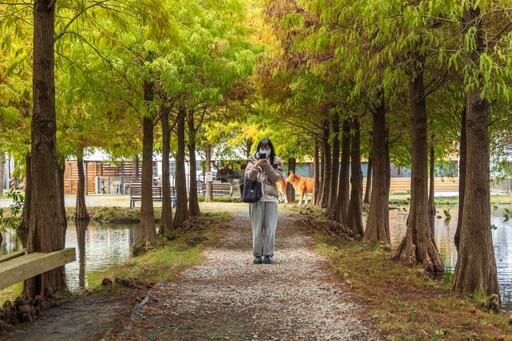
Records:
x=403, y=185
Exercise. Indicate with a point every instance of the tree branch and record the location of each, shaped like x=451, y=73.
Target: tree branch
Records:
x=51, y=5
x=58, y=36
x=102, y=57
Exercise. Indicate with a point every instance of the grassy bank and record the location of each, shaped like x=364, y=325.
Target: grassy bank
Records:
x=406, y=304
x=164, y=258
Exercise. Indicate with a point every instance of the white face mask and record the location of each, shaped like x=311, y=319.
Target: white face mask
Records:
x=265, y=152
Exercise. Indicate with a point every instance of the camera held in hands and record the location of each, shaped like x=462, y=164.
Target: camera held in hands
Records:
x=263, y=156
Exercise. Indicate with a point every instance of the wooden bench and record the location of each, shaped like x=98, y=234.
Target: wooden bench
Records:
x=18, y=266
x=222, y=188
x=128, y=181
x=136, y=194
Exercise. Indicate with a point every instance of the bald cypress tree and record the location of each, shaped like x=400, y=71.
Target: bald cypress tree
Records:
x=47, y=226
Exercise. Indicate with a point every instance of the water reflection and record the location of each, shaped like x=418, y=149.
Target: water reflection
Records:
x=444, y=233
x=81, y=229
x=98, y=246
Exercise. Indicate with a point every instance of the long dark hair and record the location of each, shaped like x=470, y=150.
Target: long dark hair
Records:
x=266, y=142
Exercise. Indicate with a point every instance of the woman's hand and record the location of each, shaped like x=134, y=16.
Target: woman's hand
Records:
x=261, y=163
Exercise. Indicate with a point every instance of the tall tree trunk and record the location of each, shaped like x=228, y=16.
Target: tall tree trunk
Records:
x=81, y=207
x=326, y=165
x=290, y=191
x=47, y=229
x=331, y=205
x=61, y=170
x=431, y=195
x=147, y=230
x=368, y=190
x=354, y=218
x=316, y=176
x=208, y=195
x=46, y=223
x=2, y=175
x=462, y=177
x=166, y=217
x=475, y=271
x=181, y=187
x=137, y=166
x=418, y=243
x=377, y=226
x=25, y=216
x=193, y=201
x=344, y=178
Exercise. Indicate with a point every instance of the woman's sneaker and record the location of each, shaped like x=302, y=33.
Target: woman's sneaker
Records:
x=267, y=260
x=257, y=260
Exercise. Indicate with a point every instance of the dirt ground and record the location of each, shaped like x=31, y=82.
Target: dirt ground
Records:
x=227, y=297
x=87, y=318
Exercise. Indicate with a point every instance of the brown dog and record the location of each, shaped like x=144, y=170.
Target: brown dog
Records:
x=281, y=187
x=302, y=185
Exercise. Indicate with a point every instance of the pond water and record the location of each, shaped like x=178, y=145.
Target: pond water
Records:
x=444, y=233
x=99, y=246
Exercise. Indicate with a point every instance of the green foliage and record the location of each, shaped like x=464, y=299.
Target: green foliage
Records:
x=321, y=57
x=11, y=219
x=447, y=215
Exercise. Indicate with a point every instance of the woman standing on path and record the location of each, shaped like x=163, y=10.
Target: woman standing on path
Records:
x=265, y=166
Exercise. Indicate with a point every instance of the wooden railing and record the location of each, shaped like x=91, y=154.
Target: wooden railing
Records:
x=19, y=266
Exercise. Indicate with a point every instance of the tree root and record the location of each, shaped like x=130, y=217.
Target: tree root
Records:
x=431, y=265
x=398, y=252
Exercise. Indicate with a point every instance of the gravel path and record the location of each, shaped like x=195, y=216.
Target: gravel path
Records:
x=229, y=298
